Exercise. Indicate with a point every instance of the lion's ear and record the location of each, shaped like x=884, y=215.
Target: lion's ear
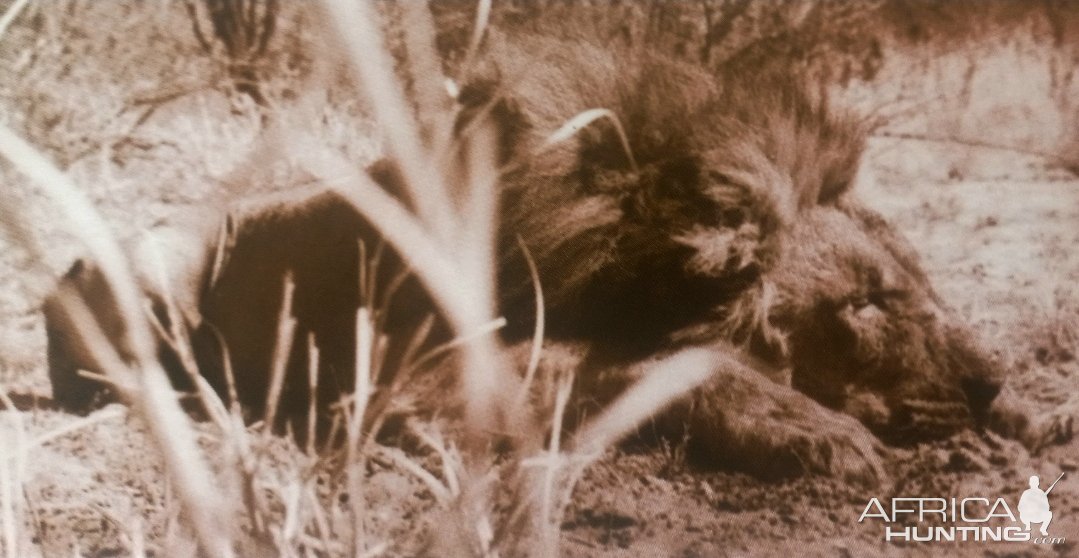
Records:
x=837, y=176
x=667, y=193
x=836, y=152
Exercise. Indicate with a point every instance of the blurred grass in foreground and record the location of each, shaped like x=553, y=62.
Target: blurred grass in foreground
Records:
x=449, y=243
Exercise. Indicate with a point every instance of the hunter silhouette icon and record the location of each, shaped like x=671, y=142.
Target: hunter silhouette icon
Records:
x=1034, y=505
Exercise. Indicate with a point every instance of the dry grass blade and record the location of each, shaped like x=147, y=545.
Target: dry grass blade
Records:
x=357, y=26
x=230, y=376
x=12, y=12
x=312, y=387
x=120, y=379
x=179, y=344
x=119, y=387
x=446, y=455
x=286, y=329
x=483, y=377
x=424, y=66
x=548, y=525
x=355, y=460
x=365, y=356
x=439, y=350
x=462, y=285
x=441, y=492
x=454, y=289
x=582, y=120
x=538, y=332
x=662, y=383
x=76, y=425
x=118, y=373
x=172, y=432
x=12, y=463
x=483, y=16
x=478, y=224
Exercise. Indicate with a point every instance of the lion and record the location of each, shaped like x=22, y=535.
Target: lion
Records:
x=730, y=224
x=736, y=222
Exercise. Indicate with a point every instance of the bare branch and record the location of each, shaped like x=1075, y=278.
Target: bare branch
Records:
x=193, y=14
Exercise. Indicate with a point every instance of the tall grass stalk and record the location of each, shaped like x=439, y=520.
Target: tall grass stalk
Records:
x=156, y=403
x=450, y=240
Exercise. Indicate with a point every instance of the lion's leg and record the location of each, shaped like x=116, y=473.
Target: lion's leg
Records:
x=738, y=419
x=68, y=350
x=744, y=420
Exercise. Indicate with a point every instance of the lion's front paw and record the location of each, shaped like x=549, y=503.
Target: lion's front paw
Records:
x=825, y=445
x=1044, y=430
x=773, y=431
x=1014, y=417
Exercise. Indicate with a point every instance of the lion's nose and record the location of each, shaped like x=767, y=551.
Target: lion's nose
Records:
x=980, y=394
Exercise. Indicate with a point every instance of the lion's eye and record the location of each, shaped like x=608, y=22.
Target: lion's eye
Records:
x=859, y=301
x=882, y=298
x=718, y=177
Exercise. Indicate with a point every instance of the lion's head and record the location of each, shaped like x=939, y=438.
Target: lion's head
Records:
x=866, y=333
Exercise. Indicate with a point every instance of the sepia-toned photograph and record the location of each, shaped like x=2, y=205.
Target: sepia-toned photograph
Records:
x=539, y=278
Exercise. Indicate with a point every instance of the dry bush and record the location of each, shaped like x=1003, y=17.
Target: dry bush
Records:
x=975, y=68
x=243, y=28
x=832, y=38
